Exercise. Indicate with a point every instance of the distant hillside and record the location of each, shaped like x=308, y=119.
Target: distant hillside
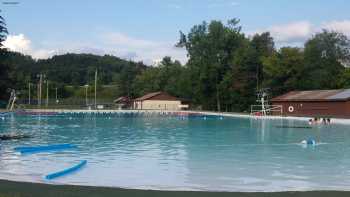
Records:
x=72, y=70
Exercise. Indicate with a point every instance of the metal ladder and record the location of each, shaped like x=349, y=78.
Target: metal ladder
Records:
x=12, y=100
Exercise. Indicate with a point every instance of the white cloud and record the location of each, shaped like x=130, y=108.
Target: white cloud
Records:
x=292, y=32
x=42, y=53
x=296, y=32
x=339, y=26
x=175, y=6
x=140, y=49
x=120, y=39
x=114, y=43
x=217, y=4
x=17, y=43
x=20, y=43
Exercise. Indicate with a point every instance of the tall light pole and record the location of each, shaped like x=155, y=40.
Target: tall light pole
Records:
x=29, y=93
x=39, y=87
x=95, y=89
x=47, y=93
x=56, y=96
x=37, y=94
x=86, y=93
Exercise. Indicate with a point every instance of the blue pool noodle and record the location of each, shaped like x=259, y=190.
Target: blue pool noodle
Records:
x=66, y=171
x=35, y=149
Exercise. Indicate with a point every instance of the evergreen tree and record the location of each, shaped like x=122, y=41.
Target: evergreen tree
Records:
x=4, y=69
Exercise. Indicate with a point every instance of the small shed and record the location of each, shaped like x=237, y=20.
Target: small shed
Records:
x=158, y=101
x=315, y=103
x=123, y=102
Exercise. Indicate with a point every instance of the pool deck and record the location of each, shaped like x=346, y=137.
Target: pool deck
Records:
x=21, y=189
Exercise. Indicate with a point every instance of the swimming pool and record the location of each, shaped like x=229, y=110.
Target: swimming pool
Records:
x=173, y=153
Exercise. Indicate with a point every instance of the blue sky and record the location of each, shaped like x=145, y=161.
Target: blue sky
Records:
x=147, y=29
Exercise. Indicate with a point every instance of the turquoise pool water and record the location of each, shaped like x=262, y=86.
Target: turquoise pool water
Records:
x=171, y=153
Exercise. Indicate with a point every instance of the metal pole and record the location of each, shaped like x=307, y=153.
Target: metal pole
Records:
x=56, y=95
x=86, y=92
x=37, y=93
x=47, y=93
x=28, y=93
x=40, y=83
x=95, y=89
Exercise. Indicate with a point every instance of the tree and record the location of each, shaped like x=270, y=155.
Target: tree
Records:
x=125, y=80
x=4, y=78
x=324, y=54
x=246, y=73
x=3, y=31
x=263, y=46
x=244, y=76
x=167, y=76
x=210, y=48
x=344, y=80
x=284, y=70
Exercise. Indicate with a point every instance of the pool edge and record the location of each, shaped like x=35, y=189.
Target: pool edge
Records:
x=223, y=114
x=19, y=189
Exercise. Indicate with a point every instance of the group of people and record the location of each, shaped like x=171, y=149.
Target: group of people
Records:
x=316, y=121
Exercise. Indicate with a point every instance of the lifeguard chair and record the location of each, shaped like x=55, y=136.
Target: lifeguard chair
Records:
x=264, y=108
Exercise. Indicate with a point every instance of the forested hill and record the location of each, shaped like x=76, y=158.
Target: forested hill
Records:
x=71, y=69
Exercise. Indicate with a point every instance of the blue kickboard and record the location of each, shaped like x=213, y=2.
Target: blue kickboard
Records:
x=35, y=149
x=66, y=171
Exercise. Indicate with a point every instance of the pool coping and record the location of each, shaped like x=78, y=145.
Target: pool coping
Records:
x=19, y=189
x=223, y=114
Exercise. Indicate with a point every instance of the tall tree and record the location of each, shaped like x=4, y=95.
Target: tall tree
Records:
x=210, y=47
x=263, y=46
x=166, y=76
x=284, y=70
x=246, y=73
x=324, y=54
x=3, y=30
x=4, y=78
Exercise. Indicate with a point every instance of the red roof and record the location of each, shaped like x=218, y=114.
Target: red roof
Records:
x=157, y=96
x=315, y=95
x=122, y=99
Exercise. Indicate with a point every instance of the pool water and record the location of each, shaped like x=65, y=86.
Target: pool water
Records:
x=172, y=153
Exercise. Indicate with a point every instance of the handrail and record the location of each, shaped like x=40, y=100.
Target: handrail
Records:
x=268, y=108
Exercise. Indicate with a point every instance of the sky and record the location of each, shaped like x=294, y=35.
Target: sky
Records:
x=147, y=30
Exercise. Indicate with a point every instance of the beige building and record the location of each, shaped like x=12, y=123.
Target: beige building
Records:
x=158, y=101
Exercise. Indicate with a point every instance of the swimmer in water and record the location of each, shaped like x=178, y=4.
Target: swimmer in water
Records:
x=309, y=142
x=13, y=136
x=310, y=122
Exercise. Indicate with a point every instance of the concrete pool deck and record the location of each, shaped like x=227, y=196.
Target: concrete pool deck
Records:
x=21, y=189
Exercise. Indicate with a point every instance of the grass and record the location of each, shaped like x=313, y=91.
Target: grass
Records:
x=19, y=189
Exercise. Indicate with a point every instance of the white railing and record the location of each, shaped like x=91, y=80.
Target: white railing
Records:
x=258, y=110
